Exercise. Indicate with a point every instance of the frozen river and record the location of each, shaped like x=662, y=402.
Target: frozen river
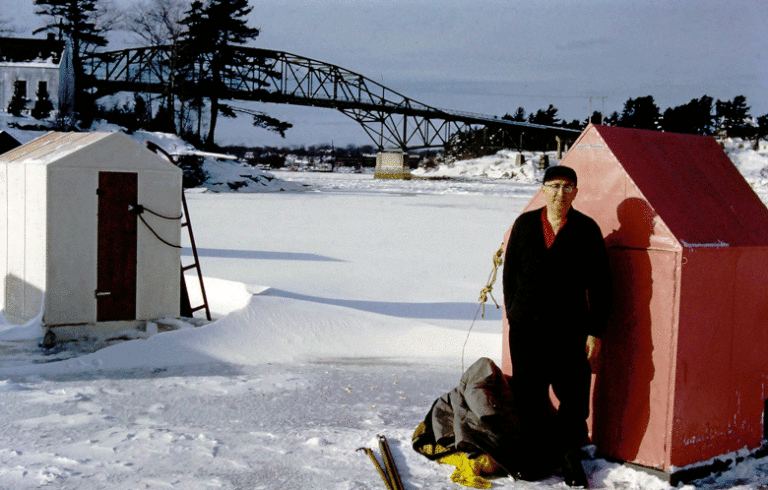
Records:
x=342, y=314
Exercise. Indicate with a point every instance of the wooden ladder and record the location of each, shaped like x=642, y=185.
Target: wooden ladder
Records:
x=187, y=310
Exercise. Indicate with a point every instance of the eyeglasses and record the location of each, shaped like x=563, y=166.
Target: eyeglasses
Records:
x=566, y=188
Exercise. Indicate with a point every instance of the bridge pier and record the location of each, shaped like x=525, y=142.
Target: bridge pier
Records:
x=392, y=164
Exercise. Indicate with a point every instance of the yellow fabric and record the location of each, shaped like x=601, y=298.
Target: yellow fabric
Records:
x=430, y=450
x=468, y=471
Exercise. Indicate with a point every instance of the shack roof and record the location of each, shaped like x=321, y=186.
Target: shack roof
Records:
x=690, y=183
x=7, y=142
x=115, y=150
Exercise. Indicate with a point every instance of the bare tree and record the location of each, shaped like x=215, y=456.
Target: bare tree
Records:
x=109, y=17
x=157, y=22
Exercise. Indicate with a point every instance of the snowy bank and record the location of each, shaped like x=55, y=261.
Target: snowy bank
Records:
x=505, y=164
x=260, y=329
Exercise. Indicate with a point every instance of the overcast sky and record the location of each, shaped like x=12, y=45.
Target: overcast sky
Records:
x=491, y=56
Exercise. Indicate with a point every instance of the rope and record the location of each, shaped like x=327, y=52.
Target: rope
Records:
x=139, y=209
x=498, y=260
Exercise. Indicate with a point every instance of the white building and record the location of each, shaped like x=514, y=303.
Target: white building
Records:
x=35, y=63
x=34, y=76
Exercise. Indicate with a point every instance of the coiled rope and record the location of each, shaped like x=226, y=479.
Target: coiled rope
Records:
x=498, y=260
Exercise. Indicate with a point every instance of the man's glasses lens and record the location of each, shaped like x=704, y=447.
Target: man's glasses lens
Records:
x=567, y=189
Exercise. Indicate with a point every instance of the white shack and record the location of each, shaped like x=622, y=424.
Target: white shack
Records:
x=89, y=230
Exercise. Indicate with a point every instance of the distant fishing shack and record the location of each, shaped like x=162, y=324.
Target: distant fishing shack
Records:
x=90, y=234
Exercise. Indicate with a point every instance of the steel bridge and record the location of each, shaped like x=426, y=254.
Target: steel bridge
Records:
x=390, y=119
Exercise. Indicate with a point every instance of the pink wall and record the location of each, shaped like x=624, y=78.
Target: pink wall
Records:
x=720, y=388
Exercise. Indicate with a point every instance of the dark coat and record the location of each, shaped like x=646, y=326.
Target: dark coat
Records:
x=480, y=416
x=555, y=297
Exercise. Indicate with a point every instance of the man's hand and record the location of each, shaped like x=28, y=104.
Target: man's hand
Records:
x=593, y=347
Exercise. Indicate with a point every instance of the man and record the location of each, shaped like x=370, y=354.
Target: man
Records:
x=557, y=296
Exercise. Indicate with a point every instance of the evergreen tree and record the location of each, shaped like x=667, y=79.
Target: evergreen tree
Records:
x=518, y=116
x=640, y=113
x=227, y=27
x=75, y=19
x=211, y=52
x=261, y=120
x=78, y=21
x=163, y=121
x=762, y=127
x=142, y=112
x=574, y=124
x=19, y=99
x=595, y=118
x=43, y=105
x=695, y=117
x=733, y=117
x=547, y=117
x=191, y=81
x=613, y=119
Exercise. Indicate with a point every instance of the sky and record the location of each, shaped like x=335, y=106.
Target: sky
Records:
x=493, y=56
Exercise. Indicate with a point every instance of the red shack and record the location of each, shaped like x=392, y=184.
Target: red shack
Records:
x=683, y=373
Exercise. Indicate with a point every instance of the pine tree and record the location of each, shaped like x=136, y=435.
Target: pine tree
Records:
x=595, y=118
x=613, y=119
x=695, y=117
x=733, y=117
x=191, y=82
x=142, y=113
x=518, y=116
x=227, y=27
x=19, y=99
x=762, y=127
x=640, y=113
x=76, y=20
x=43, y=105
x=210, y=54
x=547, y=117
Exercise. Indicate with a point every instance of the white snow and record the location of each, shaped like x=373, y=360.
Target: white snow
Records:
x=340, y=312
x=505, y=164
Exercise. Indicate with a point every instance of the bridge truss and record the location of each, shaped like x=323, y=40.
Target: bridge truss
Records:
x=390, y=119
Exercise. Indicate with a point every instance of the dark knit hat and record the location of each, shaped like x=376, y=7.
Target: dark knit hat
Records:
x=558, y=171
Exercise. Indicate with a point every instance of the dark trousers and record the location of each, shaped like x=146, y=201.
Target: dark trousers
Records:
x=570, y=377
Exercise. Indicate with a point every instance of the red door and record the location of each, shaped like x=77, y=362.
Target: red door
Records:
x=116, y=265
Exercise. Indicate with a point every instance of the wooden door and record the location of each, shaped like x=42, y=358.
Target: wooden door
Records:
x=117, y=243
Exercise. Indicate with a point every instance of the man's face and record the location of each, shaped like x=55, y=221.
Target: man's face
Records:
x=560, y=193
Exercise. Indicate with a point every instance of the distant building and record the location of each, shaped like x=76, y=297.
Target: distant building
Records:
x=35, y=63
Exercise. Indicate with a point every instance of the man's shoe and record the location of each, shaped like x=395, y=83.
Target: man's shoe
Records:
x=573, y=471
